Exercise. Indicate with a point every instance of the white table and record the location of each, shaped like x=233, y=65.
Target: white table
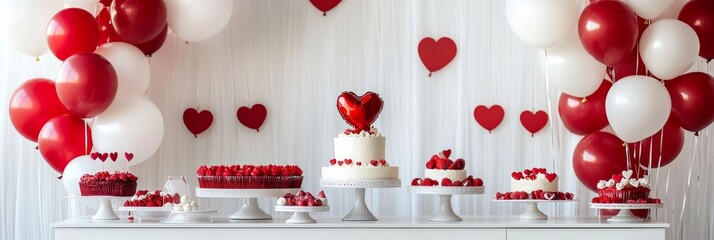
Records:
x=482, y=227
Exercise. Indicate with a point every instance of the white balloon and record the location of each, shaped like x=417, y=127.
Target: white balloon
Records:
x=637, y=107
x=572, y=70
x=668, y=48
x=131, y=124
x=649, y=9
x=132, y=67
x=25, y=24
x=198, y=20
x=81, y=165
x=91, y=6
x=542, y=23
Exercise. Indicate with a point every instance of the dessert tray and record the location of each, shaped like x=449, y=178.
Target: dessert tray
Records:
x=301, y=213
x=147, y=213
x=625, y=214
x=532, y=212
x=250, y=209
x=445, y=213
x=195, y=216
x=105, y=211
x=360, y=211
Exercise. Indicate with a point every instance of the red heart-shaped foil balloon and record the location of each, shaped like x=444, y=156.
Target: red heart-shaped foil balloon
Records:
x=359, y=111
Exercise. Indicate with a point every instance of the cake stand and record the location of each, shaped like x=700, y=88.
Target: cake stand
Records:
x=360, y=211
x=445, y=213
x=105, y=211
x=532, y=212
x=195, y=216
x=147, y=213
x=625, y=215
x=250, y=209
x=301, y=213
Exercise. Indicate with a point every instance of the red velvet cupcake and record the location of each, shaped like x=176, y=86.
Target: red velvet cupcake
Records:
x=121, y=184
x=250, y=177
x=622, y=189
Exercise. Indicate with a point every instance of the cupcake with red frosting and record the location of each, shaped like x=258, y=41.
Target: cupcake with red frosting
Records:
x=621, y=188
x=121, y=184
x=250, y=176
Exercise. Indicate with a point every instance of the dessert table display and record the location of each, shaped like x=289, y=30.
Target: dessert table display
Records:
x=445, y=213
x=250, y=209
x=388, y=228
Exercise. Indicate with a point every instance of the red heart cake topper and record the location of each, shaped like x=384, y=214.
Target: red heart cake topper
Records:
x=197, y=122
x=94, y=155
x=113, y=156
x=325, y=5
x=103, y=156
x=252, y=117
x=436, y=54
x=129, y=156
x=359, y=111
x=489, y=117
x=534, y=122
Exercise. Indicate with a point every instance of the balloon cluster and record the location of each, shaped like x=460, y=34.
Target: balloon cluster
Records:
x=105, y=72
x=648, y=100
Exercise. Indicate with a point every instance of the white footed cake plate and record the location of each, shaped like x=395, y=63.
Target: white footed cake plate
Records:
x=532, y=212
x=250, y=209
x=147, y=213
x=105, y=211
x=445, y=213
x=625, y=215
x=301, y=213
x=360, y=211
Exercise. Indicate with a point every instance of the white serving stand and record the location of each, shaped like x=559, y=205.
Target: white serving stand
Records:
x=250, y=209
x=147, y=213
x=532, y=212
x=625, y=215
x=445, y=213
x=195, y=216
x=105, y=211
x=301, y=213
x=360, y=211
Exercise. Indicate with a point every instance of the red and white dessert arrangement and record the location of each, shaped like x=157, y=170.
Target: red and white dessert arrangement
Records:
x=622, y=188
x=250, y=176
x=442, y=171
x=534, y=184
x=360, y=152
x=144, y=198
x=120, y=184
x=303, y=199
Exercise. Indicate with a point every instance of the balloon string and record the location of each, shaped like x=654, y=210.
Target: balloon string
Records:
x=680, y=231
x=553, y=138
x=627, y=152
x=666, y=194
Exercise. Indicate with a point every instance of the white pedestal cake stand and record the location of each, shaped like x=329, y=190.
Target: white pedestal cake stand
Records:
x=105, y=211
x=250, y=209
x=147, y=213
x=532, y=212
x=625, y=214
x=301, y=213
x=445, y=213
x=360, y=211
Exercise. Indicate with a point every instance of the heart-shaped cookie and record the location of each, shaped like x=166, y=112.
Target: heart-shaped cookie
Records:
x=627, y=174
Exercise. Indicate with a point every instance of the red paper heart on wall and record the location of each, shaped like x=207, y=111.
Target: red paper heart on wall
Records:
x=252, y=117
x=436, y=54
x=534, y=122
x=197, y=122
x=325, y=5
x=359, y=111
x=489, y=118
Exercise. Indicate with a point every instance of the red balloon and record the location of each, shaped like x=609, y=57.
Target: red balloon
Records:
x=632, y=64
x=33, y=104
x=71, y=31
x=586, y=117
x=62, y=139
x=359, y=111
x=692, y=97
x=597, y=157
x=138, y=21
x=86, y=84
x=155, y=44
x=608, y=31
x=699, y=14
x=671, y=146
x=106, y=30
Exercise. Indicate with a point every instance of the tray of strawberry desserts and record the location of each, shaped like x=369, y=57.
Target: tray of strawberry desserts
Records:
x=249, y=182
x=445, y=178
x=301, y=204
x=146, y=205
x=532, y=187
x=626, y=193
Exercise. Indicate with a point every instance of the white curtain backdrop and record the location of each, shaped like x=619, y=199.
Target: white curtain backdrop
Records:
x=287, y=56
